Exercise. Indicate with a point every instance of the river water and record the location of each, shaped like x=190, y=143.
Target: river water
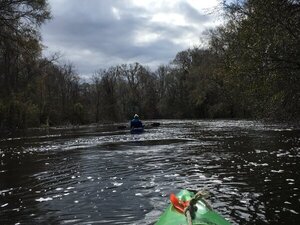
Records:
x=105, y=175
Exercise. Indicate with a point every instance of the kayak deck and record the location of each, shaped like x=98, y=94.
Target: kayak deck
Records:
x=203, y=215
x=137, y=130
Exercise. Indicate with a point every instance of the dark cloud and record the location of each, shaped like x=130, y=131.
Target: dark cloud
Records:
x=97, y=34
x=192, y=14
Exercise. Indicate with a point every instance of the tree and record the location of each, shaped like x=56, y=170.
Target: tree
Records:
x=20, y=50
x=260, y=50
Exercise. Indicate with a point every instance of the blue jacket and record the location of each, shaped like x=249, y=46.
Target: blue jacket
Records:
x=135, y=123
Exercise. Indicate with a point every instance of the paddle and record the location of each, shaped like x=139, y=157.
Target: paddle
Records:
x=155, y=124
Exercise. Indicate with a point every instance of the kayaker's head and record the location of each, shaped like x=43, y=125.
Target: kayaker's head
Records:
x=136, y=116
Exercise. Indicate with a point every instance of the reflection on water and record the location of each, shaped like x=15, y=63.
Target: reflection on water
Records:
x=102, y=175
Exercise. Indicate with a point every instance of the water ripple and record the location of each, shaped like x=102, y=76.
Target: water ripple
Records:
x=101, y=175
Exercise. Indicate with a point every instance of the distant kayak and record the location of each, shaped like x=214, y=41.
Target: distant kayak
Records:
x=137, y=130
x=187, y=208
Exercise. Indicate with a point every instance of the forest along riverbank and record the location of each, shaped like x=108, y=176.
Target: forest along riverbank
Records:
x=105, y=175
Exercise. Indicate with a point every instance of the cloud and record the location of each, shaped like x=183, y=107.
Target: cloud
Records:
x=95, y=34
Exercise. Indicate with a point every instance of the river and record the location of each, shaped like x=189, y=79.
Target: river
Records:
x=105, y=175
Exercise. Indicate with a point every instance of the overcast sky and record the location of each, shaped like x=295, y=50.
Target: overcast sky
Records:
x=94, y=34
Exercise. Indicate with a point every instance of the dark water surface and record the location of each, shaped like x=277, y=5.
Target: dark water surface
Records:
x=102, y=175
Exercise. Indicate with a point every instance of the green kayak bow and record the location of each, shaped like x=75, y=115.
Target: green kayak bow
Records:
x=188, y=208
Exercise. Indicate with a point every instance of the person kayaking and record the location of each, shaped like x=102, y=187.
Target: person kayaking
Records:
x=135, y=122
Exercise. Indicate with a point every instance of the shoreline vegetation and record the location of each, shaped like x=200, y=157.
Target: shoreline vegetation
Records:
x=123, y=126
x=249, y=70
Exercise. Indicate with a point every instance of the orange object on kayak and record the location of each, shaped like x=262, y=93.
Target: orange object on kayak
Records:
x=179, y=205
